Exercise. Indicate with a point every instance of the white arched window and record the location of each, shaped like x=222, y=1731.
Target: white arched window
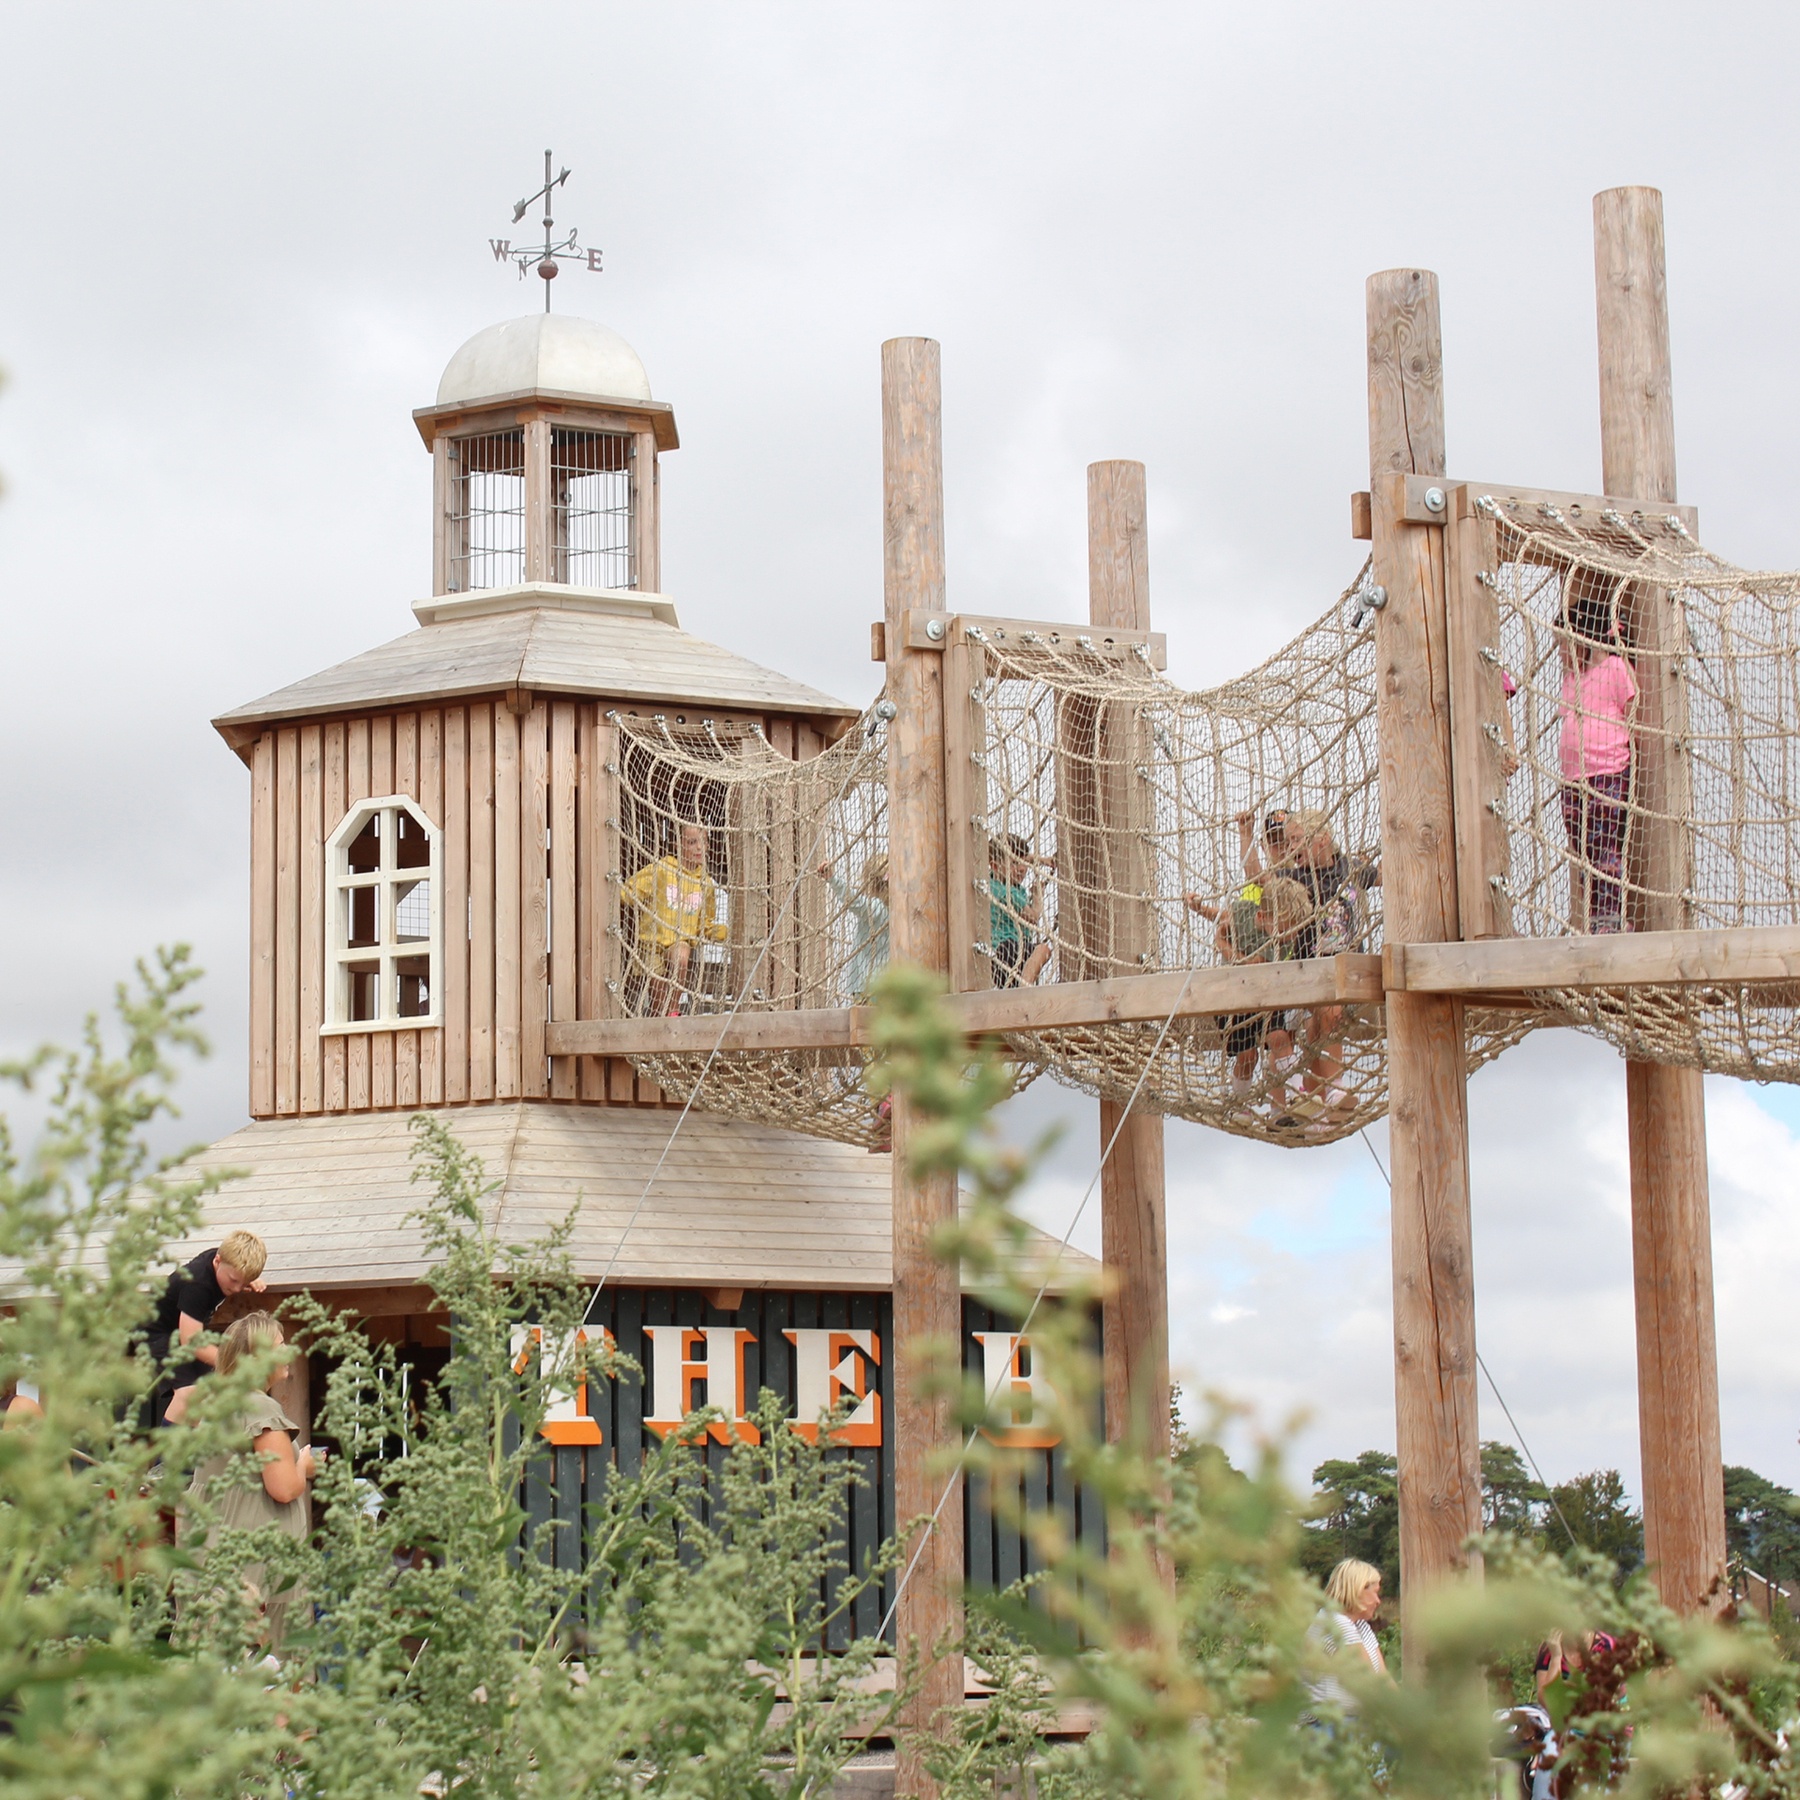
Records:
x=384, y=931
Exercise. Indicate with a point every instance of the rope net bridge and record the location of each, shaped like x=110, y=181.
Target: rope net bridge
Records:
x=1632, y=708
x=1641, y=709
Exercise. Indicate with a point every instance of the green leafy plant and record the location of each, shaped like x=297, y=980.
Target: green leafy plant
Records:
x=1192, y=1636
x=679, y=1645
x=91, y=1699
x=436, y=1639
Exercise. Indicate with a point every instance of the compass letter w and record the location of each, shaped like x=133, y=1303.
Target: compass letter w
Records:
x=501, y=247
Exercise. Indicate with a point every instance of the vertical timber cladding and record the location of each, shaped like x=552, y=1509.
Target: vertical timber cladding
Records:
x=523, y=790
x=751, y=1337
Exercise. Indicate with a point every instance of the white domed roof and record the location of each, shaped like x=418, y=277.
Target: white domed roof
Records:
x=555, y=352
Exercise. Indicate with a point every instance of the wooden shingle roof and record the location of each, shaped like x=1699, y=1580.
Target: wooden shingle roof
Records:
x=628, y=650
x=735, y=1205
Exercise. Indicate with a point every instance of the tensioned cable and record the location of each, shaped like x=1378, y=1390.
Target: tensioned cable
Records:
x=1037, y=1300
x=1055, y=1261
x=1481, y=1362
x=876, y=720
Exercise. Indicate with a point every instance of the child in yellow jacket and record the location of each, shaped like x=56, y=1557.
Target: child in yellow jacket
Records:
x=677, y=906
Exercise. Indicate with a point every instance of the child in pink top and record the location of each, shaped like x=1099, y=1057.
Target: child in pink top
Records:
x=1598, y=692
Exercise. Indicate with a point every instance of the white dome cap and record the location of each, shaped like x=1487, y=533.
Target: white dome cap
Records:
x=552, y=352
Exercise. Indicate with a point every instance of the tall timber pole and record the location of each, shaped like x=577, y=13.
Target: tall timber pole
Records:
x=1435, y=1402
x=1671, y=1219
x=927, y=1295
x=1133, y=1226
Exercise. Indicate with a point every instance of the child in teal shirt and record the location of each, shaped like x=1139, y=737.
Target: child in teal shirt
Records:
x=1013, y=912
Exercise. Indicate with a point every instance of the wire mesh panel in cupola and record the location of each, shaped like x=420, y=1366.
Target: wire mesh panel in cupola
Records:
x=487, y=511
x=591, y=491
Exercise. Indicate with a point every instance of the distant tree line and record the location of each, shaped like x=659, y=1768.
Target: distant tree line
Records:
x=1362, y=1517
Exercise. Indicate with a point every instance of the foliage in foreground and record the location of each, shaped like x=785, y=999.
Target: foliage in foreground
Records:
x=682, y=1653
x=680, y=1650
x=91, y=1701
x=1200, y=1678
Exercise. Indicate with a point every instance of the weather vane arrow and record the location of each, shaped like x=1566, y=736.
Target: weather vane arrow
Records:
x=553, y=250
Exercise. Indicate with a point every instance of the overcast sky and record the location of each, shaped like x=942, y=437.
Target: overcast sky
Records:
x=241, y=242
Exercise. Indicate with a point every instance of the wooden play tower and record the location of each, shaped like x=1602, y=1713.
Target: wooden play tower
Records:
x=548, y=733
x=1448, y=945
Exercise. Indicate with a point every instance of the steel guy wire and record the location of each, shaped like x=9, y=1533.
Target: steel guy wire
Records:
x=1037, y=1300
x=1482, y=1363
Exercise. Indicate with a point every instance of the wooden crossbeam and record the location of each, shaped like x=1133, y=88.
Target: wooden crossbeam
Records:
x=1750, y=953
x=816, y=1028
x=1022, y=637
x=1487, y=972
x=1121, y=1000
x=1520, y=504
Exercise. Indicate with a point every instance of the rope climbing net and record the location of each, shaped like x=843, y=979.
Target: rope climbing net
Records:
x=752, y=882
x=1124, y=825
x=1638, y=704
x=1641, y=702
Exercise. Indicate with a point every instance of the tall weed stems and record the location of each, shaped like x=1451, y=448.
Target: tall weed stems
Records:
x=1192, y=1635
x=438, y=1644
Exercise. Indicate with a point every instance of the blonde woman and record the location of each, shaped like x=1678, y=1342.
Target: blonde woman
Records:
x=279, y=1497
x=1344, y=1629
x=1354, y=1591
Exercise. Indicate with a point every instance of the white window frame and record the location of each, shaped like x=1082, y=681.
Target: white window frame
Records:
x=341, y=880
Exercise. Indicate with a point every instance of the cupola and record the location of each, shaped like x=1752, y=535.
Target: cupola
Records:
x=545, y=442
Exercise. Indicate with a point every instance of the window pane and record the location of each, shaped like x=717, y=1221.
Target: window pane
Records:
x=365, y=990
x=361, y=930
x=412, y=911
x=412, y=997
x=365, y=847
x=412, y=842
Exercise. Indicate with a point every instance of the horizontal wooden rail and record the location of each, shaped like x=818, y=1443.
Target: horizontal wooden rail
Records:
x=821, y=1028
x=1496, y=969
x=1181, y=993
x=1747, y=953
x=1123, y=1000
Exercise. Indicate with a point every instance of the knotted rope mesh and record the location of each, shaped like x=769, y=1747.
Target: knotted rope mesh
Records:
x=1639, y=700
x=753, y=882
x=1646, y=769
x=1126, y=825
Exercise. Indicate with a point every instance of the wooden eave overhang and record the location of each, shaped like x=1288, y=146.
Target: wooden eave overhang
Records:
x=734, y=1204
x=659, y=415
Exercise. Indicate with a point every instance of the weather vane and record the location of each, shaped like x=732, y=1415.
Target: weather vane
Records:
x=546, y=256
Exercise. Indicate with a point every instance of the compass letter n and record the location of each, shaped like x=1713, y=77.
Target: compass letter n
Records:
x=501, y=247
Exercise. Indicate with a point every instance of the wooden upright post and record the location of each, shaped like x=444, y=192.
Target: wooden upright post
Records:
x=927, y=1294
x=1133, y=1232
x=1434, y=1290
x=1671, y=1224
